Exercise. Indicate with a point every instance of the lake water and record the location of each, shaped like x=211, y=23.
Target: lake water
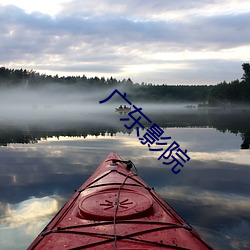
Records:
x=45, y=156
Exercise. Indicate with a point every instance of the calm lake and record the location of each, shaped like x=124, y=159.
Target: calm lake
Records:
x=46, y=154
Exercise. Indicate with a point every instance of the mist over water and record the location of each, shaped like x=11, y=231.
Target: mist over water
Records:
x=59, y=102
x=58, y=109
x=80, y=132
x=49, y=103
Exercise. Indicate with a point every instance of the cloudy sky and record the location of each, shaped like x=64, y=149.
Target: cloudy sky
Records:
x=157, y=41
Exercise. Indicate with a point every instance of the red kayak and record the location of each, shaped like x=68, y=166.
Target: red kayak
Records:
x=116, y=209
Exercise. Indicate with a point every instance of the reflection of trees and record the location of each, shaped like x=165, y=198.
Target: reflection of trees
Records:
x=246, y=141
x=8, y=137
x=237, y=122
x=35, y=133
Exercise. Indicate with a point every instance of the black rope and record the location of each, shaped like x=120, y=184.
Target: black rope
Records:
x=127, y=237
x=120, y=222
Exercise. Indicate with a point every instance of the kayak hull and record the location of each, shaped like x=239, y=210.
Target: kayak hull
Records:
x=116, y=209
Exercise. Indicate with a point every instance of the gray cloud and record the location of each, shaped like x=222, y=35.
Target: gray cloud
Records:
x=107, y=40
x=223, y=31
x=132, y=8
x=219, y=29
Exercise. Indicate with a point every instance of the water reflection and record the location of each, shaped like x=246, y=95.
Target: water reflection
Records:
x=211, y=192
x=21, y=221
x=82, y=125
x=31, y=210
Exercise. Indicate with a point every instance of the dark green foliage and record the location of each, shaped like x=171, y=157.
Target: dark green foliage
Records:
x=233, y=92
x=222, y=93
x=246, y=75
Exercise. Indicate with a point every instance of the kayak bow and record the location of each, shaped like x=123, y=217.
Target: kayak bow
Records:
x=116, y=209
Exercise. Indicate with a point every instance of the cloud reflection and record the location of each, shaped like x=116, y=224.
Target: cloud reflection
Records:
x=29, y=212
x=228, y=202
x=234, y=156
x=22, y=222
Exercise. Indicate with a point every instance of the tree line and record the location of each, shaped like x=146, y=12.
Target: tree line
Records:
x=236, y=91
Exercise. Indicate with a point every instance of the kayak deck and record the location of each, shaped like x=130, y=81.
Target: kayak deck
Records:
x=116, y=209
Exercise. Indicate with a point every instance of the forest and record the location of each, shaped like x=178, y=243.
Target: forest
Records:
x=224, y=93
